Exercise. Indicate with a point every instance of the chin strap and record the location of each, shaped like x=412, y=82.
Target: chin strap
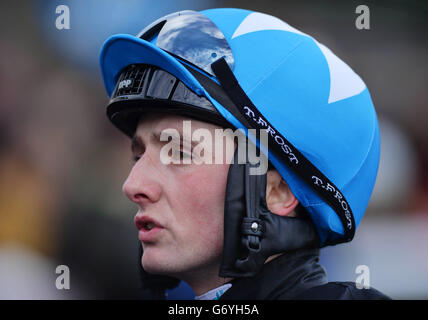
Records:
x=251, y=232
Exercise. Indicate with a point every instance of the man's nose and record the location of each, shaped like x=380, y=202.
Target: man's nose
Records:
x=141, y=186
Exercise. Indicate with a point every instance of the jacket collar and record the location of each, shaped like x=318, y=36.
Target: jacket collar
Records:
x=282, y=278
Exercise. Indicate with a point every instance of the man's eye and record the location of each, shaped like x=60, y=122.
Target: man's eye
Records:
x=180, y=155
x=185, y=155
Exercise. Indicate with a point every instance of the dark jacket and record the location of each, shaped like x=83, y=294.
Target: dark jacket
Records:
x=297, y=276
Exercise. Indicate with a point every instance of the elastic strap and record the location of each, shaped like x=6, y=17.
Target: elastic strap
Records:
x=246, y=112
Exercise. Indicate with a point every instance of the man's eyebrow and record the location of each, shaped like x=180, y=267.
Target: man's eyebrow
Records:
x=138, y=143
x=155, y=137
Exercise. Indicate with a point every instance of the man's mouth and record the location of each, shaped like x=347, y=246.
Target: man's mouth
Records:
x=148, y=228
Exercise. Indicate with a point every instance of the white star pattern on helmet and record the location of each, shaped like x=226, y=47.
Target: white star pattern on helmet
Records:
x=344, y=82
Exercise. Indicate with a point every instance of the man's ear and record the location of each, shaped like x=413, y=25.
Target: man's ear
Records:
x=279, y=198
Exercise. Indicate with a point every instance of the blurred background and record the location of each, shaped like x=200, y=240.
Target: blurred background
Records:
x=62, y=164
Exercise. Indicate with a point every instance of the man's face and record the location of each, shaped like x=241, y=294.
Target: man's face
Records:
x=184, y=201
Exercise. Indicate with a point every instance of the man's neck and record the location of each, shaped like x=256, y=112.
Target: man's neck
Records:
x=214, y=294
x=204, y=280
x=203, y=286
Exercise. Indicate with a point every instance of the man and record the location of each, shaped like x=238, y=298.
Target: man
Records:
x=228, y=230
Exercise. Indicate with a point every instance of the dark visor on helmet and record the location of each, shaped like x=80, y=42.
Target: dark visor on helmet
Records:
x=141, y=88
x=142, y=81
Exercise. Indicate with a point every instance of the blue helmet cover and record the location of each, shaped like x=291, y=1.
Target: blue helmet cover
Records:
x=307, y=93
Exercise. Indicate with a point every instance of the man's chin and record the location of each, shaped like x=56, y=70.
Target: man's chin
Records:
x=164, y=268
x=155, y=263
